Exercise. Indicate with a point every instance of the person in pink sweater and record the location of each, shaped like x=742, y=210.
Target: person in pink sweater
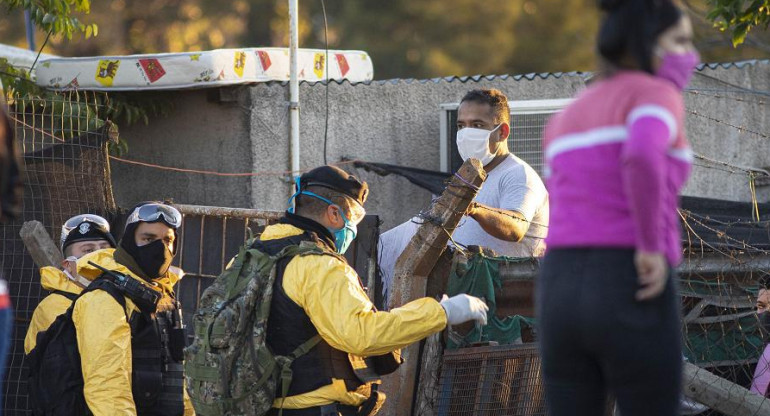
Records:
x=761, y=380
x=616, y=159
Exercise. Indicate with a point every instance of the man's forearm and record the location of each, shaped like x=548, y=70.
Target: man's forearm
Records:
x=499, y=223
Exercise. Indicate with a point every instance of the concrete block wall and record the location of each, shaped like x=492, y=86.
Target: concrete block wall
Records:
x=719, y=103
x=246, y=129
x=199, y=133
x=391, y=122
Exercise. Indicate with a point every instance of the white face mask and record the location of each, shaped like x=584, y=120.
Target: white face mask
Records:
x=474, y=143
x=78, y=279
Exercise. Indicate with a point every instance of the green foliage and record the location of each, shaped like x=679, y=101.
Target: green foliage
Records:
x=56, y=16
x=74, y=112
x=739, y=16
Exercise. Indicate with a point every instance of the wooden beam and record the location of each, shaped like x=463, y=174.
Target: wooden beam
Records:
x=39, y=244
x=720, y=394
x=710, y=266
x=414, y=266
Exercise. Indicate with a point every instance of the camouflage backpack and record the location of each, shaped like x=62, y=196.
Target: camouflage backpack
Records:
x=229, y=370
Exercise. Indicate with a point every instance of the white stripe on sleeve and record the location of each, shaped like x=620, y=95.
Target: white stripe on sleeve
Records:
x=655, y=111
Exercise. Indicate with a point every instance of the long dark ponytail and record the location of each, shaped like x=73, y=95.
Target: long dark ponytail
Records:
x=630, y=29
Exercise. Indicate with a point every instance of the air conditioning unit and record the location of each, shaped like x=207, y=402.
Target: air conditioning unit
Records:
x=528, y=120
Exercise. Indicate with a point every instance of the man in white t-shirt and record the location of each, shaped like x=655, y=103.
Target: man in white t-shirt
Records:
x=510, y=212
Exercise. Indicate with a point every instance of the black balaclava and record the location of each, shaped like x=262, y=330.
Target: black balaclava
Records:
x=153, y=259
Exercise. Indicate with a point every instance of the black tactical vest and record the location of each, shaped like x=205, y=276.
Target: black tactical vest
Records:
x=289, y=326
x=157, y=342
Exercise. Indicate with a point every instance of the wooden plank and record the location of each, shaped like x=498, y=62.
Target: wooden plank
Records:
x=414, y=266
x=39, y=244
x=722, y=395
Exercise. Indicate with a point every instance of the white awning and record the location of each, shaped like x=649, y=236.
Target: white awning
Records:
x=21, y=58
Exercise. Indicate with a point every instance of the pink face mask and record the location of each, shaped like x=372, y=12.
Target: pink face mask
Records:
x=678, y=67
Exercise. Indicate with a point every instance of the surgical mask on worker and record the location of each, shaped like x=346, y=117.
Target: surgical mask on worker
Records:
x=474, y=143
x=345, y=235
x=677, y=67
x=70, y=270
x=342, y=237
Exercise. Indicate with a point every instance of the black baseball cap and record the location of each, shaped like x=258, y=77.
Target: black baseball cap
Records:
x=336, y=179
x=86, y=227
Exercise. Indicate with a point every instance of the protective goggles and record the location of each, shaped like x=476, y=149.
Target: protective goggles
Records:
x=155, y=212
x=361, y=212
x=75, y=222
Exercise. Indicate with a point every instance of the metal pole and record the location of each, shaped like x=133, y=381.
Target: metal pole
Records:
x=242, y=213
x=30, y=28
x=293, y=86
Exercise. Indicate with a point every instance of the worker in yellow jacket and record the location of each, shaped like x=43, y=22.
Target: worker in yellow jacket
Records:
x=322, y=295
x=80, y=235
x=132, y=358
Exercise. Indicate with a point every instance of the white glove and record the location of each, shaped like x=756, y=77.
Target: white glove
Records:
x=463, y=308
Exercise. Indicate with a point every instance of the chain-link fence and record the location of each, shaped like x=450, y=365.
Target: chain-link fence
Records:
x=726, y=259
x=726, y=270
x=66, y=173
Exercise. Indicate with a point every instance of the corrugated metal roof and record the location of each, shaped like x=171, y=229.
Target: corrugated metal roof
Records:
x=729, y=65
x=476, y=78
x=463, y=79
x=533, y=75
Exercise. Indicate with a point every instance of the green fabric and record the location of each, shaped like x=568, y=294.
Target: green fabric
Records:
x=480, y=277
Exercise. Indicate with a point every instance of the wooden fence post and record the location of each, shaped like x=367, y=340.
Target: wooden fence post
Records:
x=40, y=245
x=414, y=266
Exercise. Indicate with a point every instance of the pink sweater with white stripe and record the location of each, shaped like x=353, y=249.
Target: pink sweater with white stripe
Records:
x=616, y=159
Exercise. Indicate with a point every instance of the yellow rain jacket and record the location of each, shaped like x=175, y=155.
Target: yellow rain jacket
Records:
x=52, y=305
x=104, y=340
x=330, y=293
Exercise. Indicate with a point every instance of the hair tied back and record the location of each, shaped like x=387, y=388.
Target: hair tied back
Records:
x=612, y=5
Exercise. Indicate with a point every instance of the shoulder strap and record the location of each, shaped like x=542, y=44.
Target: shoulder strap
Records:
x=68, y=295
x=265, y=254
x=307, y=247
x=285, y=366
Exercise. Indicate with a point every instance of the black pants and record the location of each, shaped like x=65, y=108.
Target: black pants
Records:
x=595, y=338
